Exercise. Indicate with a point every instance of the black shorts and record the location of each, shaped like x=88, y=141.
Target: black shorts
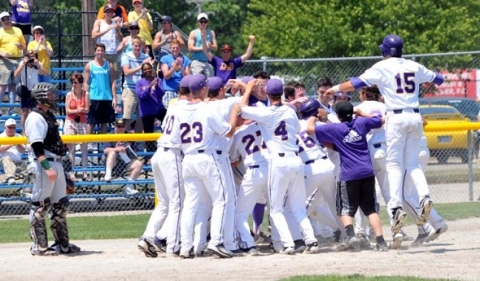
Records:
x=26, y=100
x=101, y=112
x=356, y=193
x=25, y=28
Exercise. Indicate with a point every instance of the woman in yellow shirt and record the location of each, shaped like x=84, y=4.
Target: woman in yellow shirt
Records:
x=144, y=20
x=44, y=51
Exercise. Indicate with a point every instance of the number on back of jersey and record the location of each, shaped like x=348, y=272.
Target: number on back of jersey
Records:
x=193, y=133
x=281, y=130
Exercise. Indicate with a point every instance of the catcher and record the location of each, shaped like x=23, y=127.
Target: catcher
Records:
x=49, y=192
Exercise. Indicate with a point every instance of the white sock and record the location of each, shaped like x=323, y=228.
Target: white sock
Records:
x=108, y=173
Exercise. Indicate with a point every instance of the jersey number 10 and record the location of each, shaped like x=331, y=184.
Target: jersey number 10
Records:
x=405, y=83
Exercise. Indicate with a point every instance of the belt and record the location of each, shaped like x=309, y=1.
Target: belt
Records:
x=377, y=145
x=219, y=152
x=399, y=111
x=51, y=159
x=166, y=148
x=254, y=166
x=283, y=154
x=313, y=161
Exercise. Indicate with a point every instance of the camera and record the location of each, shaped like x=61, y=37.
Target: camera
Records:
x=77, y=118
x=31, y=60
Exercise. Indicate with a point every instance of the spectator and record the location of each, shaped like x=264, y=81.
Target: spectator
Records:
x=132, y=69
x=77, y=104
x=29, y=70
x=200, y=63
x=10, y=154
x=99, y=76
x=44, y=50
x=21, y=16
x=142, y=17
x=226, y=67
x=121, y=156
x=12, y=44
x=126, y=44
x=174, y=67
x=150, y=96
x=164, y=37
x=120, y=13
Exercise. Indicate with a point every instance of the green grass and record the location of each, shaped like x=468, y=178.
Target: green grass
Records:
x=355, y=277
x=132, y=226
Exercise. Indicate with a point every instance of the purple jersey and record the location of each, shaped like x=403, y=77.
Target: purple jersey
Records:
x=226, y=69
x=349, y=139
x=21, y=12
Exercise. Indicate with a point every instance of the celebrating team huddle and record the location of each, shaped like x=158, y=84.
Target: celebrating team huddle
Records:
x=315, y=165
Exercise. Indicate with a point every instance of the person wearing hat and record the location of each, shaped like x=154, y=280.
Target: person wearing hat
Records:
x=21, y=16
x=120, y=13
x=357, y=180
x=161, y=42
x=121, y=156
x=10, y=154
x=44, y=50
x=200, y=64
x=142, y=17
x=279, y=126
x=226, y=67
x=12, y=44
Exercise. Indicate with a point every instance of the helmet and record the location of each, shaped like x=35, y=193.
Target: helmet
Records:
x=341, y=95
x=40, y=93
x=309, y=108
x=392, y=45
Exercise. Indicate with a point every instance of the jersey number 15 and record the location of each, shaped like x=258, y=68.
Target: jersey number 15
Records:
x=405, y=83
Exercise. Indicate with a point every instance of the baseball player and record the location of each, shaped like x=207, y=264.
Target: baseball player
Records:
x=357, y=182
x=196, y=132
x=399, y=81
x=49, y=187
x=325, y=98
x=286, y=187
x=166, y=167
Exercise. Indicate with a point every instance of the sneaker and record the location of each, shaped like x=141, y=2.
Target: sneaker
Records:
x=326, y=241
x=349, y=242
x=147, y=248
x=72, y=249
x=287, y=251
x=186, y=254
x=426, y=206
x=363, y=241
x=398, y=220
x=312, y=248
x=236, y=252
x=422, y=237
x=160, y=245
x=396, y=240
x=381, y=247
x=438, y=232
x=299, y=246
x=108, y=178
x=11, y=181
x=252, y=251
x=130, y=190
x=219, y=250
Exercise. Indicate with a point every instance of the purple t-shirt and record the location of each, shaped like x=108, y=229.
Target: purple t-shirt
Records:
x=226, y=69
x=349, y=139
x=21, y=12
x=150, y=101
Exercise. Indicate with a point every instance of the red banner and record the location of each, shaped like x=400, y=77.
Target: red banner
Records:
x=461, y=83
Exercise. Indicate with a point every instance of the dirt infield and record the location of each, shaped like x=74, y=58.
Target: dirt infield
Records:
x=456, y=255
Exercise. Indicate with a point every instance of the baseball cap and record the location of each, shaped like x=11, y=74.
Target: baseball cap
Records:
x=344, y=109
x=202, y=16
x=197, y=82
x=108, y=7
x=120, y=121
x=37, y=27
x=247, y=79
x=342, y=94
x=166, y=18
x=215, y=83
x=6, y=14
x=10, y=122
x=185, y=80
x=226, y=47
x=274, y=87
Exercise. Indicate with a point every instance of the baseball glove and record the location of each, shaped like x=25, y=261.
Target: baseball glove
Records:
x=70, y=185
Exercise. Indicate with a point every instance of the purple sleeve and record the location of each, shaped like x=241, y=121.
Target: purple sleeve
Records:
x=439, y=79
x=373, y=122
x=321, y=132
x=216, y=62
x=357, y=83
x=237, y=62
x=142, y=94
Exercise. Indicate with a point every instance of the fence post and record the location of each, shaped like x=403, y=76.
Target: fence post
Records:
x=59, y=37
x=413, y=57
x=470, y=165
x=264, y=58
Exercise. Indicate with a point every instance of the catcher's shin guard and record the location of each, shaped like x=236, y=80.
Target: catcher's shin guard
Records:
x=58, y=217
x=38, y=230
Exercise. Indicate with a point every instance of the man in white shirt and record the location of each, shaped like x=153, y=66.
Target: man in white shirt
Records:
x=10, y=154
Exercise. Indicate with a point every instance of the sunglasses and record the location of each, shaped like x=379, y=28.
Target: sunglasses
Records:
x=203, y=21
x=134, y=28
x=5, y=18
x=12, y=127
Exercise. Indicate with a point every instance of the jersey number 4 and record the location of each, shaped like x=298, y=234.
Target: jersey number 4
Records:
x=191, y=133
x=405, y=83
x=281, y=130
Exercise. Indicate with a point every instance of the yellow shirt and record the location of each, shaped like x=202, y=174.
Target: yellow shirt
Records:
x=8, y=39
x=145, y=31
x=43, y=56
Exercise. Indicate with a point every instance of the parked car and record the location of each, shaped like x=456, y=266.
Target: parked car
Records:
x=443, y=145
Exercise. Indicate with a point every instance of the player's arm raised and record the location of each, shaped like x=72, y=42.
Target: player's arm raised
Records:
x=248, y=91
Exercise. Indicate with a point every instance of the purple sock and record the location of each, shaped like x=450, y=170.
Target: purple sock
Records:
x=257, y=215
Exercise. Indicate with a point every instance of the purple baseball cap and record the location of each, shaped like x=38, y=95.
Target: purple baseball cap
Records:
x=197, y=82
x=247, y=79
x=274, y=87
x=185, y=80
x=215, y=83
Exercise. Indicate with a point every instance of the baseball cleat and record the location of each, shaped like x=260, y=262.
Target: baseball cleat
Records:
x=236, y=252
x=349, y=243
x=381, y=247
x=397, y=240
x=438, y=232
x=426, y=206
x=364, y=242
x=312, y=248
x=187, y=254
x=220, y=251
x=421, y=238
x=287, y=251
x=398, y=221
x=34, y=251
x=252, y=251
x=160, y=245
x=72, y=248
x=299, y=246
x=147, y=248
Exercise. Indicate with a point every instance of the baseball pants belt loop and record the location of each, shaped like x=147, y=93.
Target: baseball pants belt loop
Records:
x=309, y=162
x=254, y=166
x=377, y=145
x=283, y=154
x=399, y=111
x=166, y=148
x=51, y=159
x=219, y=152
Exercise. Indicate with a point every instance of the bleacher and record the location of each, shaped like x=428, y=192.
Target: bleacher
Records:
x=97, y=189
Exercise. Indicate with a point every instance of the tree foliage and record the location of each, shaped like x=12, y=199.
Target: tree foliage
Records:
x=334, y=28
